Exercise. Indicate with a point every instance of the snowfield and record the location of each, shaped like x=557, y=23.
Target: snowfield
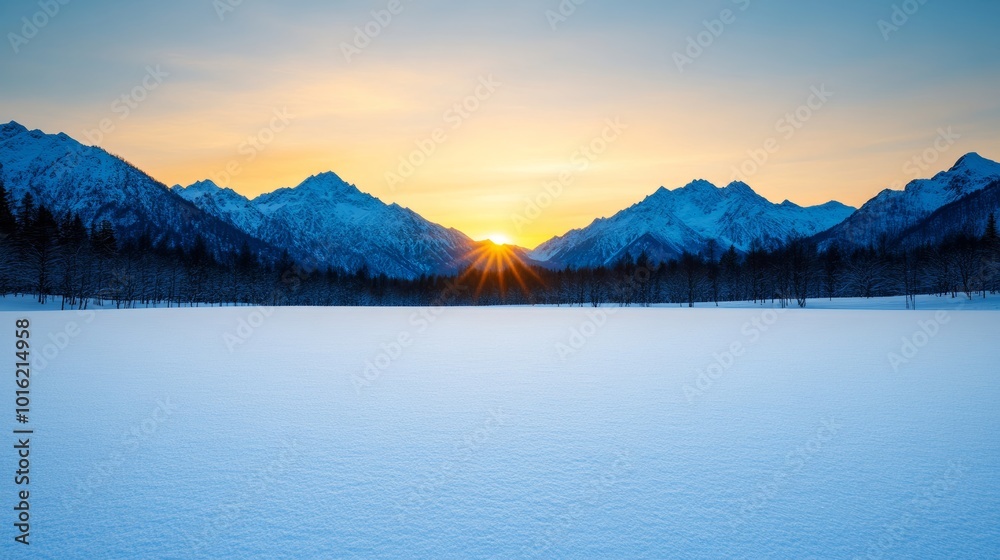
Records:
x=512, y=433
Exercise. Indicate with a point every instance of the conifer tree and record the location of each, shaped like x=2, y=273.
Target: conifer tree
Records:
x=8, y=223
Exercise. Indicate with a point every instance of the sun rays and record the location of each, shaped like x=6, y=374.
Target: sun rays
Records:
x=497, y=265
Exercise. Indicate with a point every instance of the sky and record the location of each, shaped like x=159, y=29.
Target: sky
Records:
x=517, y=120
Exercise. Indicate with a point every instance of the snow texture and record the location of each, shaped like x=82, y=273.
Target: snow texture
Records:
x=514, y=433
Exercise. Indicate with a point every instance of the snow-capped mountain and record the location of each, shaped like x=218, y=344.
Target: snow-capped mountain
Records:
x=66, y=177
x=326, y=221
x=223, y=203
x=891, y=213
x=669, y=222
x=968, y=214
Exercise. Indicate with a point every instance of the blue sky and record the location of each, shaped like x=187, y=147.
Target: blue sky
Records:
x=225, y=77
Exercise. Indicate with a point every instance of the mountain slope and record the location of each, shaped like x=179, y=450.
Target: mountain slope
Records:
x=891, y=213
x=326, y=221
x=968, y=214
x=66, y=176
x=667, y=223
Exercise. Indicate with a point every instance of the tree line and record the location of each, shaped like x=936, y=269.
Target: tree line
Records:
x=58, y=256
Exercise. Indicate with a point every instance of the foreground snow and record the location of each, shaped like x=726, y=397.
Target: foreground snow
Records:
x=514, y=433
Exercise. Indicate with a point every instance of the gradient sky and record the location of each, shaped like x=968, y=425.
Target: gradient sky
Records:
x=608, y=60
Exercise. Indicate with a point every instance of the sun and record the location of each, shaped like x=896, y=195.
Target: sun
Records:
x=499, y=239
x=496, y=262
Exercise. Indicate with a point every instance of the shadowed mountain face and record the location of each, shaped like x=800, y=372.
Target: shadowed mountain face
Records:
x=891, y=214
x=323, y=222
x=326, y=221
x=68, y=177
x=968, y=215
x=667, y=223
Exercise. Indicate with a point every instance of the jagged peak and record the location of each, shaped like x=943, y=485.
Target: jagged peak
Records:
x=973, y=161
x=743, y=190
x=835, y=204
x=699, y=185
x=326, y=184
x=13, y=126
x=969, y=158
x=739, y=186
x=206, y=185
x=325, y=188
x=324, y=178
x=14, y=129
x=11, y=130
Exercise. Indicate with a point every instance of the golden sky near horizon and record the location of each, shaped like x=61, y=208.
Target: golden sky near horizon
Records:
x=493, y=107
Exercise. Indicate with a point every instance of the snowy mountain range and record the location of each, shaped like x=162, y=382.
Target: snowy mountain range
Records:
x=326, y=221
x=68, y=177
x=669, y=222
x=892, y=213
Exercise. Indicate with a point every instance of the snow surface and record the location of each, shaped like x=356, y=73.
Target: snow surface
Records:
x=513, y=433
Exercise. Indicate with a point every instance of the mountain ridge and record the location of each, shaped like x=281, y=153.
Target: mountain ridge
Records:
x=890, y=213
x=669, y=222
x=326, y=221
x=68, y=177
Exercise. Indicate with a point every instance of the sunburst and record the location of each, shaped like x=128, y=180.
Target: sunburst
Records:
x=494, y=260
